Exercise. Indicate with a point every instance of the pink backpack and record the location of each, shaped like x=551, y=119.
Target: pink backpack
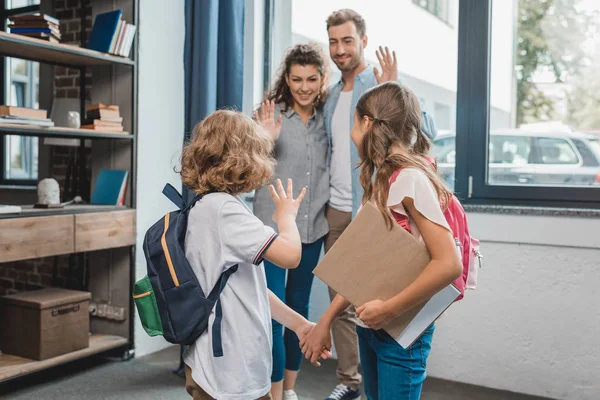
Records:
x=469, y=247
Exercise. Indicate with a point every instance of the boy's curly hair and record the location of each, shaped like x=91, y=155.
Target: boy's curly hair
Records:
x=228, y=152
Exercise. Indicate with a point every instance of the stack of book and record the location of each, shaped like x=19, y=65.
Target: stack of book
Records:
x=40, y=26
x=24, y=116
x=110, y=34
x=103, y=117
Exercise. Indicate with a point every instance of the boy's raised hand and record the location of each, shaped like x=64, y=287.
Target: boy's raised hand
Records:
x=285, y=204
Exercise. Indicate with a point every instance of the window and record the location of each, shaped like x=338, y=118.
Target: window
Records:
x=527, y=103
x=439, y=8
x=443, y=116
x=19, y=154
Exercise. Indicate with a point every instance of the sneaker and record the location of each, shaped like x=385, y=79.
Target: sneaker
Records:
x=343, y=392
x=289, y=395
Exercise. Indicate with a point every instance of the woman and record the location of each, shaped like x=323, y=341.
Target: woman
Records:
x=301, y=150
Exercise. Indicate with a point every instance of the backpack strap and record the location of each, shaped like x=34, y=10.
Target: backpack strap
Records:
x=177, y=199
x=173, y=195
x=214, y=296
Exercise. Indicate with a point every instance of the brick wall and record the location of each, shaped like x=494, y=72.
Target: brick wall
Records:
x=37, y=273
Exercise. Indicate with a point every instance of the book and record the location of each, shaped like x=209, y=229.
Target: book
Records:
x=23, y=112
x=35, y=17
x=8, y=119
x=103, y=128
x=110, y=187
x=43, y=36
x=8, y=209
x=370, y=262
x=103, y=30
x=103, y=113
x=103, y=107
x=103, y=122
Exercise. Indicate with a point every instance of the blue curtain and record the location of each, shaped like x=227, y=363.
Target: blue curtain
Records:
x=214, y=58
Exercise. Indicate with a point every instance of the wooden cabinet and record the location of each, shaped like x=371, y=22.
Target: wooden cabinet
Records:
x=34, y=237
x=96, y=231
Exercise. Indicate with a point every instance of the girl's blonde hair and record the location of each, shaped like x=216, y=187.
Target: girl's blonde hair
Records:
x=228, y=152
x=396, y=120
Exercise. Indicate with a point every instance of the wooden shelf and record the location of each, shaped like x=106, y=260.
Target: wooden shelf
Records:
x=14, y=366
x=58, y=132
x=29, y=211
x=27, y=48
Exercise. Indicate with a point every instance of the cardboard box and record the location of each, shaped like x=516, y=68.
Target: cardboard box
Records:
x=45, y=323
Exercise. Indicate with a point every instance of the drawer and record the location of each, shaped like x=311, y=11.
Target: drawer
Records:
x=104, y=230
x=34, y=237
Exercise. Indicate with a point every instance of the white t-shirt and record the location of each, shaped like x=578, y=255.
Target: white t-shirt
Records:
x=341, y=164
x=223, y=232
x=413, y=183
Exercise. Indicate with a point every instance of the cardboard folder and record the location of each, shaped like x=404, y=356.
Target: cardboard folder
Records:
x=370, y=262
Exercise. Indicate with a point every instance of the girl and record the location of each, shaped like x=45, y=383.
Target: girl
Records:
x=301, y=151
x=229, y=155
x=396, y=176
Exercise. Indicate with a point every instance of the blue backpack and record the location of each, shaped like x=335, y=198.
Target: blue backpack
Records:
x=169, y=300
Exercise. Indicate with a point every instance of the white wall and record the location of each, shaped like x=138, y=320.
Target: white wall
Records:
x=160, y=126
x=532, y=324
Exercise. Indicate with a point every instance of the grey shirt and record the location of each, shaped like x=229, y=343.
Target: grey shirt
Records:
x=302, y=154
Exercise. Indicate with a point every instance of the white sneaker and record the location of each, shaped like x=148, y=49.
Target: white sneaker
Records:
x=289, y=395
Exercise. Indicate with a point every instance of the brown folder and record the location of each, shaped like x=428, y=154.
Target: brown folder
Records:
x=370, y=262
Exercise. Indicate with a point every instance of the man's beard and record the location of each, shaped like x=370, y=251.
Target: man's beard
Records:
x=354, y=62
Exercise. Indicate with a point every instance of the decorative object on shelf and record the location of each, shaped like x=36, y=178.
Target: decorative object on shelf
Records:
x=39, y=26
x=74, y=120
x=49, y=192
x=110, y=34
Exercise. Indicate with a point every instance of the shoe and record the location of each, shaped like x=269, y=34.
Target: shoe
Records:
x=343, y=392
x=289, y=395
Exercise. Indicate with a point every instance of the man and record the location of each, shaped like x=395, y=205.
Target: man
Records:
x=347, y=41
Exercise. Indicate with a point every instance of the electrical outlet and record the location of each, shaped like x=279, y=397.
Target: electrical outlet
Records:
x=107, y=311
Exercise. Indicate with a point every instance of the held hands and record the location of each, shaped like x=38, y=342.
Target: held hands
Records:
x=302, y=332
x=316, y=343
x=285, y=205
x=389, y=66
x=267, y=119
x=375, y=314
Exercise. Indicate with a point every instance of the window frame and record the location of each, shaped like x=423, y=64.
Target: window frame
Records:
x=5, y=13
x=473, y=113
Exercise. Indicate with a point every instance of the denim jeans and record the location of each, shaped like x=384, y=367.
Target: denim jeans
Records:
x=389, y=371
x=296, y=294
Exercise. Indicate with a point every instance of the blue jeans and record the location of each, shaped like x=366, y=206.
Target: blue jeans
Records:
x=389, y=371
x=296, y=294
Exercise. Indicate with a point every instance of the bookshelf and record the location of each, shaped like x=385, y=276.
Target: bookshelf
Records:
x=76, y=230
x=67, y=55
x=59, y=132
